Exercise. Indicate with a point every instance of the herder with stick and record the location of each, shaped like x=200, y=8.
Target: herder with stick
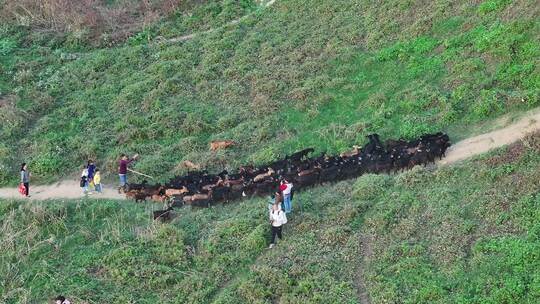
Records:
x=123, y=169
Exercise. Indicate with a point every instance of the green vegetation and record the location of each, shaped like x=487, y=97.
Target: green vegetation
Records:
x=462, y=234
x=300, y=73
x=297, y=74
x=104, y=23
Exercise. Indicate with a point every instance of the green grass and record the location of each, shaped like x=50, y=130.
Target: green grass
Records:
x=284, y=78
x=301, y=73
x=458, y=234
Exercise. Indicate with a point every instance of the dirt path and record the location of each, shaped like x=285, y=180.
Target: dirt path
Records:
x=233, y=22
x=365, y=252
x=483, y=143
x=69, y=189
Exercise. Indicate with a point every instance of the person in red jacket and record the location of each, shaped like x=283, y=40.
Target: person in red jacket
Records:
x=123, y=168
x=286, y=189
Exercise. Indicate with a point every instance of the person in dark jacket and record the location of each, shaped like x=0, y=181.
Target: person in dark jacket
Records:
x=25, y=179
x=91, y=171
x=84, y=180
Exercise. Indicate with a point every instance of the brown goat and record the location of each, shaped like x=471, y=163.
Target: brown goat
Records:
x=190, y=165
x=221, y=144
x=170, y=192
x=262, y=176
x=355, y=151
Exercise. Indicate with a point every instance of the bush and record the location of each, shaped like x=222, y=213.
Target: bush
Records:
x=7, y=46
x=490, y=6
x=371, y=186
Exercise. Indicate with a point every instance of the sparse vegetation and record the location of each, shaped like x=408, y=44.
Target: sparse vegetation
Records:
x=77, y=24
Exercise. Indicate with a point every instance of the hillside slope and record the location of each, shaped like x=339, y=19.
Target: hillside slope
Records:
x=466, y=233
x=470, y=147
x=300, y=73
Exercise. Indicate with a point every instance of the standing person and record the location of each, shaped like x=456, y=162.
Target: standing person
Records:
x=97, y=181
x=123, y=168
x=277, y=220
x=279, y=199
x=286, y=189
x=91, y=171
x=271, y=202
x=275, y=198
x=84, y=180
x=25, y=179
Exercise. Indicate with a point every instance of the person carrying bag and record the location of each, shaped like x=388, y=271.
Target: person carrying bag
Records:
x=278, y=218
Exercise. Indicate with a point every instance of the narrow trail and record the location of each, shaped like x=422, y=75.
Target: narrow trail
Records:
x=233, y=22
x=365, y=252
x=66, y=189
x=501, y=137
x=529, y=122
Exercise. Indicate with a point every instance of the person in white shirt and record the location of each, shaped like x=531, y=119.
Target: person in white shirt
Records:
x=84, y=180
x=277, y=220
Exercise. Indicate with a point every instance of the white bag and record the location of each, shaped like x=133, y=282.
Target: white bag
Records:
x=284, y=219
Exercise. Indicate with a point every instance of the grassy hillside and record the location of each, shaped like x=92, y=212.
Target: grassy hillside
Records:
x=300, y=73
x=462, y=234
x=104, y=23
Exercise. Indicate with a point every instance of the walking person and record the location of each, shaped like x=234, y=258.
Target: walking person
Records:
x=91, y=171
x=123, y=168
x=25, y=179
x=84, y=180
x=97, y=181
x=286, y=188
x=277, y=220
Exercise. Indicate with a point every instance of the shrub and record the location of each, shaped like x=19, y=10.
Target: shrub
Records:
x=370, y=186
x=7, y=46
x=490, y=6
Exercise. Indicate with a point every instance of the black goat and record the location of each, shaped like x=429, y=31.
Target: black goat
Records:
x=298, y=156
x=163, y=215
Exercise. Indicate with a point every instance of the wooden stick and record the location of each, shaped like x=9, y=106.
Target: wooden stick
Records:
x=140, y=173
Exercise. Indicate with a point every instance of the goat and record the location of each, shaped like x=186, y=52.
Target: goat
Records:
x=138, y=196
x=221, y=144
x=298, y=156
x=170, y=192
x=263, y=176
x=354, y=152
x=190, y=165
x=163, y=215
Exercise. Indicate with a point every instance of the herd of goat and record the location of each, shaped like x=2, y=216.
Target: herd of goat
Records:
x=202, y=189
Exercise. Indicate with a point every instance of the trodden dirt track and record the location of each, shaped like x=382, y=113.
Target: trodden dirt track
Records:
x=69, y=189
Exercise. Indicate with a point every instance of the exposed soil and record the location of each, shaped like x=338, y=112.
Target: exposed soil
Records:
x=483, y=143
x=68, y=189
x=365, y=251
